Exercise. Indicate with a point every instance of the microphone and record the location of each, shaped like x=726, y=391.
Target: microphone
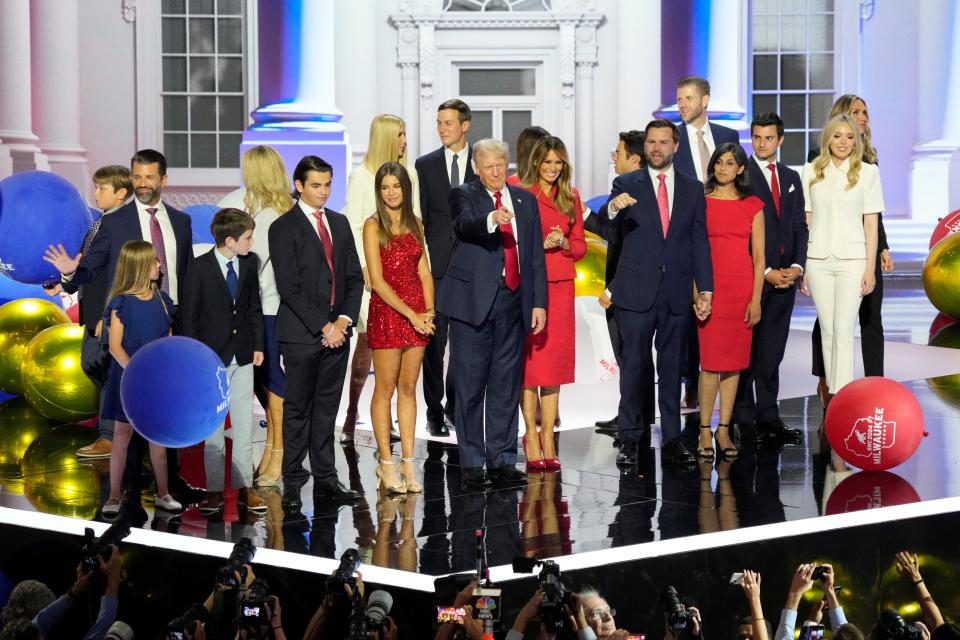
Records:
x=378, y=606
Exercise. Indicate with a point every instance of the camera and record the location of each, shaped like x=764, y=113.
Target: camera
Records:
x=241, y=555
x=555, y=593
x=895, y=627
x=362, y=622
x=95, y=548
x=255, y=607
x=344, y=575
x=676, y=615
x=182, y=627
x=818, y=573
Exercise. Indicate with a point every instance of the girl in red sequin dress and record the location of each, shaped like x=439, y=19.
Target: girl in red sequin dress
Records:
x=400, y=319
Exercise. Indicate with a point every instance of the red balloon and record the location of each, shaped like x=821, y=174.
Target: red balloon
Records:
x=941, y=322
x=73, y=312
x=870, y=490
x=948, y=224
x=874, y=423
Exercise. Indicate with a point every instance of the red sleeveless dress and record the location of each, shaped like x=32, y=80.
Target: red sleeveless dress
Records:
x=387, y=329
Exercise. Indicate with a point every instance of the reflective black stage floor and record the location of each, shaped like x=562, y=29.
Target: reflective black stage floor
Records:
x=588, y=506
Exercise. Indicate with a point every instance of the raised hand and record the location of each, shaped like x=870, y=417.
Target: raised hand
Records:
x=61, y=260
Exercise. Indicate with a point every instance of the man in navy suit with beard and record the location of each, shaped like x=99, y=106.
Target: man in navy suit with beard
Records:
x=495, y=292
x=661, y=215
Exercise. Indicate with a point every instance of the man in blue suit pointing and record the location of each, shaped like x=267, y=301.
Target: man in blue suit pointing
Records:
x=661, y=215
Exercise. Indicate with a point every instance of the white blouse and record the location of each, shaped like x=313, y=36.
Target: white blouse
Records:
x=836, y=223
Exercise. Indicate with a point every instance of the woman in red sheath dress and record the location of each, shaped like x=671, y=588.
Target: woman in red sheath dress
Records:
x=735, y=229
x=549, y=355
x=400, y=319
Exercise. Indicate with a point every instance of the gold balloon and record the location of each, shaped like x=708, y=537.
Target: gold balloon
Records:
x=54, y=479
x=592, y=268
x=20, y=425
x=20, y=321
x=941, y=275
x=947, y=388
x=52, y=379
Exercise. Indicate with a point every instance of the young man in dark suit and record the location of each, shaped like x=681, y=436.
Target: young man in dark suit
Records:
x=699, y=138
x=320, y=283
x=661, y=215
x=220, y=307
x=146, y=217
x=785, y=222
x=439, y=171
x=495, y=292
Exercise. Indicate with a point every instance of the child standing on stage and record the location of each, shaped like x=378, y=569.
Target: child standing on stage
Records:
x=137, y=313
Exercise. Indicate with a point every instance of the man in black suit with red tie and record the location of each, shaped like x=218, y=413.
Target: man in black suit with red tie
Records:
x=320, y=283
x=699, y=138
x=439, y=171
x=495, y=292
x=785, y=223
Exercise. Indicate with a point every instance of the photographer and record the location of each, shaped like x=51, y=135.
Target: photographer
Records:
x=576, y=620
x=332, y=617
x=908, y=566
x=750, y=583
x=802, y=582
x=462, y=601
x=259, y=613
x=680, y=620
x=600, y=616
x=31, y=600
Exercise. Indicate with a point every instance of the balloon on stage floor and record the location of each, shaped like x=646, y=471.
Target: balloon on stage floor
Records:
x=941, y=275
x=20, y=321
x=946, y=225
x=175, y=391
x=53, y=381
x=20, y=425
x=55, y=480
x=870, y=490
x=37, y=209
x=874, y=423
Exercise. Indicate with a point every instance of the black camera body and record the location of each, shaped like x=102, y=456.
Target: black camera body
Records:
x=256, y=606
x=896, y=628
x=95, y=548
x=344, y=575
x=555, y=596
x=183, y=626
x=242, y=554
x=818, y=573
x=678, y=618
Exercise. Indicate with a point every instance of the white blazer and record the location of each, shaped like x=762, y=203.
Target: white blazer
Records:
x=836, y=223
x=361, y=202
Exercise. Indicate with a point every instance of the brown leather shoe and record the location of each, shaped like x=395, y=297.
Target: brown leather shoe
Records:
x=250, y=500
x=100, y=448
x=212, y=503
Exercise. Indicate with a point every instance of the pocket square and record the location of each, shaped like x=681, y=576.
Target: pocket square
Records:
x=793, y=188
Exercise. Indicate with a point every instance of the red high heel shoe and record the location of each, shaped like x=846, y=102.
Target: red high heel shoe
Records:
x=533, y=465
x=552, y=463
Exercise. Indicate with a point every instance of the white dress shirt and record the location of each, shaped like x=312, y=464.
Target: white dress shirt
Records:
x=507, y=203
x=169, y=242
x=768, y=176
x=461, y=163
x=308, y=211
x=269, y=297
x=695, y=148
x=223, y=261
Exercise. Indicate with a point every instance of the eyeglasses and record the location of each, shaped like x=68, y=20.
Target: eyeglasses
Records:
x=603, y=614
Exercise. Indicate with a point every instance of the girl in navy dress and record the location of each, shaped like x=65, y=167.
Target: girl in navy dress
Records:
x=137, y=313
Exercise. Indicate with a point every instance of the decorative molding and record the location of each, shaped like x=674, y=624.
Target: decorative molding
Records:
x=427, y=54
x=567, y=61
x=128, y=10
x=185, y=197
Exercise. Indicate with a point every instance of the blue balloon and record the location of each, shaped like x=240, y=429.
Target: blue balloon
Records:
x=175, y=392
x=201, y=215
x=95, y=213
x=596, y=202
x=37, y=209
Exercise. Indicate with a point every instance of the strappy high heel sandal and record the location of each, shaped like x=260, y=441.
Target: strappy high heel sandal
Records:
x=706, y=453
x=410, y=480
x=398, y=486
x=730, y=453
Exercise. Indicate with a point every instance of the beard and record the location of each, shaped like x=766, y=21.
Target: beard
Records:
x=667, y=158
x=146, y=197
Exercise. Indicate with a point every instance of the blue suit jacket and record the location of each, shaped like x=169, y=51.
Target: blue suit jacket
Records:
x=120, y=227
x=786, y=234
x=476, y=264
x=649, y=265
x=683, y=159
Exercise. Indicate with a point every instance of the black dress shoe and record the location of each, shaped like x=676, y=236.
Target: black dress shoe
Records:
x=629, y=454
x=609, y=427
x=335, y=492
x=675, y=453
x=474, y=478
x=778, y=430
x=291, y=499
x=438, y=429
x=184, y=492
x=509, y=475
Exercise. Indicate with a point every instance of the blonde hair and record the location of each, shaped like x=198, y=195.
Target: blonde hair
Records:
x=563, y=197
x=266, y=181
x=855, y=157
x=384, y=143
x=843, y=106
x=491, y=146
x=136, y=260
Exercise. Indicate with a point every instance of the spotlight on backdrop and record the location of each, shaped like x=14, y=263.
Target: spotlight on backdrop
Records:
x=37, y=209
x=20, y=321
x=175, y=392
x=874, y=423
x=941, y=275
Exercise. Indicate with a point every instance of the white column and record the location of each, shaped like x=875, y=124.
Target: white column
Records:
x=55, y=71
x=935, y=171
x=586, y=59
x=638, y=45
x=19, y=145
x=409, y=105
x=358, y=89
x=726, y=62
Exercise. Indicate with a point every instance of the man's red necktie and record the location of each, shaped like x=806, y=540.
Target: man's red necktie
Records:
x=328, y=252
x=511, y=266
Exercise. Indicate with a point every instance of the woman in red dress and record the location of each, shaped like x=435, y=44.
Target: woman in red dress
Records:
x=735, y=229
x=400, y=319
x=549, y=355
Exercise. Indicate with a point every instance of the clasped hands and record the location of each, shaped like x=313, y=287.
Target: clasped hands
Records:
x=556, y=238
x=423, y=322
x=782, y=278
x=703, y=305
x=334, y=334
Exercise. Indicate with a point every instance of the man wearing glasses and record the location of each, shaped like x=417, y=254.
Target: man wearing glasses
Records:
x=600, y=616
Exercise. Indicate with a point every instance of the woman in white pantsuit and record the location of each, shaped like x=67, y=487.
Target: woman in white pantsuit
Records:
x=843, y=196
